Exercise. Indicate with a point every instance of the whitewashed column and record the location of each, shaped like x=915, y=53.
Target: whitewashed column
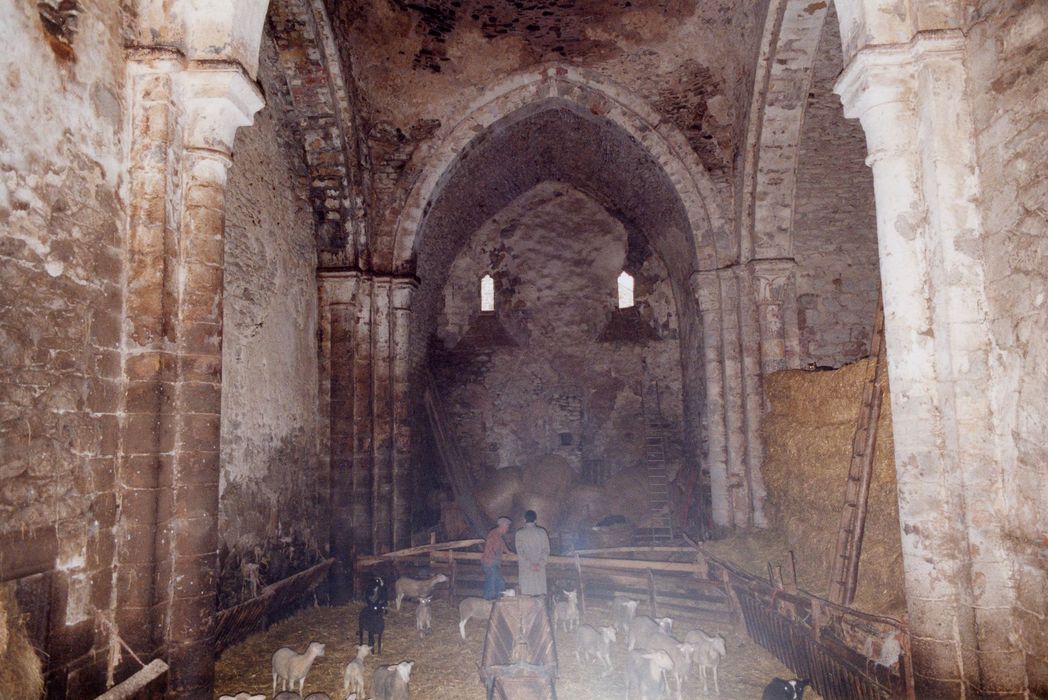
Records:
x=911, y=100
x=706, y=288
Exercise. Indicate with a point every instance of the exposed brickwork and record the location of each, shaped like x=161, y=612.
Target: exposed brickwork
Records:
x=834, y=224
x=325, y=116
x=61, y=263
x=273, y=492
x=435, y=58
x=1008, y=60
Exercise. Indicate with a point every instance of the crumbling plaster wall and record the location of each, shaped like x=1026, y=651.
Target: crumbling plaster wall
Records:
x=834, y=222
x=418, y=66
x=555, y=255
x=62, y=206
x=1008, y=62
x=272, y=485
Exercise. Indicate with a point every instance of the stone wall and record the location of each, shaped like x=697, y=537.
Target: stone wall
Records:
x=272, y=486
x=834, y=223
x=62, y=174
x=557, y=368
x=1008, y=63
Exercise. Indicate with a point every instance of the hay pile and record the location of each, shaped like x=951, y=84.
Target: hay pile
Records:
x=807, y=446
x=446, y=667
x=21, y=674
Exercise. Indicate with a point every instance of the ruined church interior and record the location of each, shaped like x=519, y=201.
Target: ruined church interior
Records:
x=746, y=300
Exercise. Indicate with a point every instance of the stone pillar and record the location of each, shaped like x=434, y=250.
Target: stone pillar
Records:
x=403, y=289
x=752, y=390
x=705, y=286
x=775, y=295
x=911, y=100
x=382, y=414
x=216, y=102
x=732, y=352
x=363, y=390
x=338, y=308
x=183, y=124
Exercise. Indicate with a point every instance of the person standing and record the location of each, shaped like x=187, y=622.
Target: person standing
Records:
x=491, y=559
x=532, y=544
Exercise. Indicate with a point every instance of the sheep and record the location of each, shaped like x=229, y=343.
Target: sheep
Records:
x=890, y=651
x=473, y=609
x=318, y=696
x=646, y=674
x=594, y=643
x=423, y=616
x=412, y=588
x=292, y=667
x=242, y=696
x=642, y=627
x=707, y=655
x=286, y=695
x=679, y=653
x=779, y=689
x=353, y=677
x=391, y=682
x=566, y=612
x=625, y=611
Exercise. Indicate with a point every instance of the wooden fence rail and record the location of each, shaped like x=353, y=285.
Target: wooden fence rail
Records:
x=828, y=643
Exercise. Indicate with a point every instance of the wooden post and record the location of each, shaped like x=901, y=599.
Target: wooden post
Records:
x=651, y=594
x=582, y=592
x=451, y=583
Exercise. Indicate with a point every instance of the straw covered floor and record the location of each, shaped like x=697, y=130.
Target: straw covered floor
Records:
x=446, y=667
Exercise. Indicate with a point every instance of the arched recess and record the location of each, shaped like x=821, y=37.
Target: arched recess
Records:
x=430, y=166
x=558, y=125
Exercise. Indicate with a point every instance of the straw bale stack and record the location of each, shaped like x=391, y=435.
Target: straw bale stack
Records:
x=21, y=673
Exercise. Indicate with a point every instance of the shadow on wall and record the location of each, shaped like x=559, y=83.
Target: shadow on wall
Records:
x=271, y=525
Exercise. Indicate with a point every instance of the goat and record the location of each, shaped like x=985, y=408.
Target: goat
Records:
x=413, y=588
x=642, y=627
x=679, y=653
x=594, y=643
x=707, y=655
x=646, y=674
x=779, y=689
x=292, y=667
x=423, y=616
x=353, y=677
x=473, y=609
x=566, y=612
x=372, y=617
x=625, y=610
x=391, y=682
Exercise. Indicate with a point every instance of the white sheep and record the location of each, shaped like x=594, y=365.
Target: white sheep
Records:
x=625, y=611
x=353, y=677
x=242, y=696
x=391, y=682
x=318, y=696
x=291, y=667
x=646, y=674
x=286, y=695
x=472, y=609
x=566, y=612
x=707, y=656
x=406, y=587
x=423, y=616
x=679, y=653
x=642, y=627
x=594, y=643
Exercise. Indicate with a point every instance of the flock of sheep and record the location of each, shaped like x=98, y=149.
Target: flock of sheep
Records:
x=658, y=663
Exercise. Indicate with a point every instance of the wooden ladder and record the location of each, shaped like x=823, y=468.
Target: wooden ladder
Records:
x=455, y=466
x=844, y=569
x=660, y=530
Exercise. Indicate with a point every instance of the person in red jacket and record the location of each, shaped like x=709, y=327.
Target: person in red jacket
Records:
x=491, y=559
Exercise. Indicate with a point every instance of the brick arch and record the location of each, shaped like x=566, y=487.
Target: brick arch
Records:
x=714, y=238
x=309, y=61
x=784, y=70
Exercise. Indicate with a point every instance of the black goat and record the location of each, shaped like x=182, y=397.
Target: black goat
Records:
x=779, y=689
x=372, y=617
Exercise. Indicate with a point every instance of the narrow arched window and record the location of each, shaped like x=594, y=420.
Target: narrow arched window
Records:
x=487, y=293
x=625, y=290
